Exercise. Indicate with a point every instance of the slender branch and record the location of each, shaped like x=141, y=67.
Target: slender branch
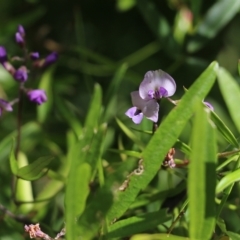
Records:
x=181, y=213
x=18, y=218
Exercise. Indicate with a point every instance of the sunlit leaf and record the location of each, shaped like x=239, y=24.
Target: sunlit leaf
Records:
x=86, y=151
x=227, y=180
x=76, y=195
x=161, y=236
x=201, y=179
x=24, y=189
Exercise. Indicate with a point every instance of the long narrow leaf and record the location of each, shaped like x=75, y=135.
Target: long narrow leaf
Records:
x=202, y=180
x=227, y=180
x=141, y=223
x=231, y=94
x=224, y=130
x=163, y=139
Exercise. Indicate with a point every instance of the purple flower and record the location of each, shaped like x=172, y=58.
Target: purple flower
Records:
x=207, y=104
x=3, y=55
x=19, y=39
x=37, y=95
x=34, y=55
x=50, y=59
x=141, y=107
x=21, y=74
x=4, y=105
x=21, y=30
x=156, y=85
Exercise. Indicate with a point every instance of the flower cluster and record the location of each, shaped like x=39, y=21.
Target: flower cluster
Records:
x=155, y=85
x=20, y=74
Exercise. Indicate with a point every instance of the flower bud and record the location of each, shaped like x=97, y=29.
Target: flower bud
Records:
x=19, y=39
x=50, y=59
x=21, y=75
x=3, y=54
x=4, y=105
x=37, y=95
x=21, y=30
x=34, y=55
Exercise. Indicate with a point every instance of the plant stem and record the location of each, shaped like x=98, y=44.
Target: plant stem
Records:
x=19, y=121
x=181, y=213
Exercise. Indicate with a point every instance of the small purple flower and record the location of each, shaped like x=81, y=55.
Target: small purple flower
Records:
x=19, y=39
x=34, y=55
x=37, y=95
x=156, y=85
x=21, y=30
x=3, y=54
x=141, y=107
x=207, y=104
x=21, y=74
x=4, y=105
x=50, y=59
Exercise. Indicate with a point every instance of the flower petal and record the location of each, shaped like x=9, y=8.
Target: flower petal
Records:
x=138, y=118
x=209, y=105
x=137, y=101
x=151, y=110
x=153, y=80
x=131, y=112
x=135, y=114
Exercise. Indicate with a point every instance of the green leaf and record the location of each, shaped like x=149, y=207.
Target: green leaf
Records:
x=24, y=189
x=86, y=151
x=182, y=147
x=224, y=130
x=46, y=84
x=27, y=130
x=163, y=139
x=129, y=133
x=227, y=180
x=76, y=196
x=133, y=225
x=126, y=152
x=202, y=176
x=218, y=16
x=115, y=82
x=196, y=7
x=65, y=111
x=34, y=170
x=215, y=19
x=125, y=5
x=94, y=108
x=231, y=94
x=161, y=236
x=158, y=24
x=222, y=226
x=239, y=66
x=13, y=161
x=95, y=212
